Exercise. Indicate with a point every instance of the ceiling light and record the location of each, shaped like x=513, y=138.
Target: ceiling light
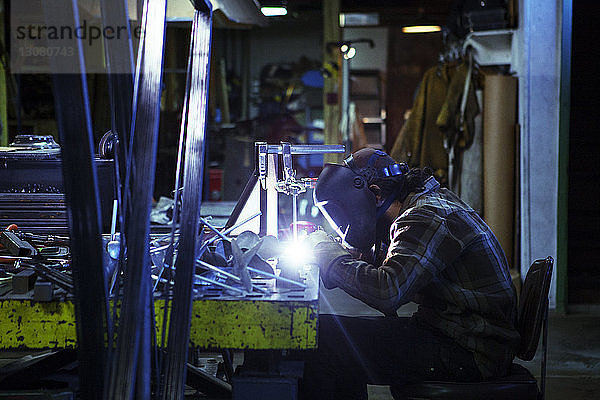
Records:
x=422, y=23
x=358, y=19
x=421, y=28
x=273, y=11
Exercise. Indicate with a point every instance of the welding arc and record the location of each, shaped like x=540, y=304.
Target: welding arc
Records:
x=131, y=361
x=75, y=130
x=174, y=370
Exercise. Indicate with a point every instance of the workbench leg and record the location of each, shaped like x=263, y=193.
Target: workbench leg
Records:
x=266, y=374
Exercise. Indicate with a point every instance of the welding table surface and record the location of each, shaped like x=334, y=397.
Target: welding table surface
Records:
x=286, y=319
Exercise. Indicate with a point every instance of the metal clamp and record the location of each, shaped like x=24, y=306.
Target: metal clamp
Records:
x=261, y=158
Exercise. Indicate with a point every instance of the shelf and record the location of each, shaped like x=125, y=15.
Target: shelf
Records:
x=494, y=47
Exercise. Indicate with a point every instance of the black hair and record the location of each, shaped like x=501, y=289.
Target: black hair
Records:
x=413, y=181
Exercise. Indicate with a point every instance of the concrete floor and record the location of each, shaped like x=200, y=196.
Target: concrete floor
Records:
x=573, y=367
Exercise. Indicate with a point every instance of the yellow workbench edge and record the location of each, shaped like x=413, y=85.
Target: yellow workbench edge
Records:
x=233, y=324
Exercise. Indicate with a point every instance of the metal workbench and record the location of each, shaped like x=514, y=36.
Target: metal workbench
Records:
x=286, y=319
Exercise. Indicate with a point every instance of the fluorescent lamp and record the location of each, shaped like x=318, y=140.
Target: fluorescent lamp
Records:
x=358, y=19
x=421, y=29
x=271, y=11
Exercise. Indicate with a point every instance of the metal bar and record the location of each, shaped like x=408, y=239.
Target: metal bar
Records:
x=160, y=248
x=174, y=370
x=218, y=270
x=120, y=65
x=263, y=202
x=215, y=230
x=272, y=205
x=75, y=131
x=225, y=232
x=168, y=260
x=279, y=278
x=205, y=279
x=345, y=100
x=286, y=152
x=130, y=372
x=161, y=238
x=297, y=149
x=295, y=216
x=224, y=285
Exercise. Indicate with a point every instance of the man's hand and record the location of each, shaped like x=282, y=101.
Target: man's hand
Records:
x=325, y=251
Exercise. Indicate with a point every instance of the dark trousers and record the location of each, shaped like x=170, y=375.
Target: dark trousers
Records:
x=382, y=351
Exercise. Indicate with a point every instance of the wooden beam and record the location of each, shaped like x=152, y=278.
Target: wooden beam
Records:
x=332, y=86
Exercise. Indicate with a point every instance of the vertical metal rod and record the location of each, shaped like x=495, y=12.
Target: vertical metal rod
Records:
x=75, y=129
x=131, y=370
x=113, y=223
x=168, y=260
x=295, y=216
x=181, y=310
x=272, y=200
x=346, y=103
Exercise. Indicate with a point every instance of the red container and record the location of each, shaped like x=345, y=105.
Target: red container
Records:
x=215, y=184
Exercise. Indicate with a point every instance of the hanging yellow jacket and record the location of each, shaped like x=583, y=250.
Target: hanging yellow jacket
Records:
x=449, y=119
x=420, y=142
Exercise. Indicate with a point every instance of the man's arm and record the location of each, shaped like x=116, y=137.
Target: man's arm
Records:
x=420, y=247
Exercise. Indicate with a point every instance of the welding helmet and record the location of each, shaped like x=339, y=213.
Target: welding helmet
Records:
x=343, y=196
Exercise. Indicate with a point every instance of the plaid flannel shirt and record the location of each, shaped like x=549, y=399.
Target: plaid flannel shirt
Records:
x=443, y=257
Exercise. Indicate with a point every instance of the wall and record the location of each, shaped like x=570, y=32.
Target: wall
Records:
x=366, y=57
x=538, y=67
x=284, y=43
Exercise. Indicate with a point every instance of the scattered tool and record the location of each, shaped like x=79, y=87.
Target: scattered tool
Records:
x=16, y=246
x=23, y=281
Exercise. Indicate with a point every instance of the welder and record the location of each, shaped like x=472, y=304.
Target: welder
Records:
x=402, y=238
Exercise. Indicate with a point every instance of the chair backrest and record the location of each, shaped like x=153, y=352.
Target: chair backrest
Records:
x=533, y=306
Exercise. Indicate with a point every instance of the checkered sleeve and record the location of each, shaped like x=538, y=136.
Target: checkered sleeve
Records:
x=421, y=246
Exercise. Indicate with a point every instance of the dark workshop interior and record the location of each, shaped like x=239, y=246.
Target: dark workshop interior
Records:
x=158, y=189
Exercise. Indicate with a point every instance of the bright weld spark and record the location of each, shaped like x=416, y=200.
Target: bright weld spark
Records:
x=297, y=253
